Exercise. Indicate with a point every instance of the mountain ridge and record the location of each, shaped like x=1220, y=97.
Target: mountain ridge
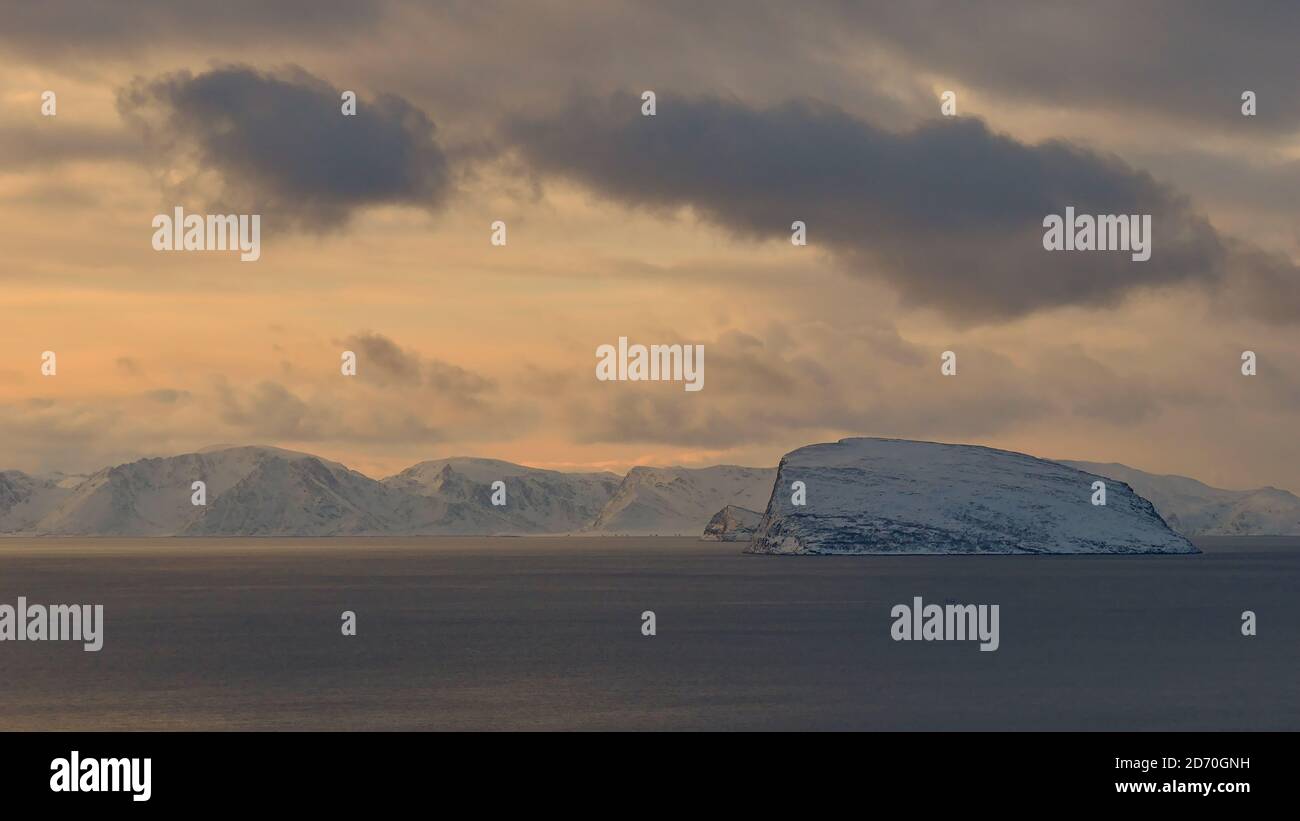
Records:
x=255, y=490
x=1194, y=508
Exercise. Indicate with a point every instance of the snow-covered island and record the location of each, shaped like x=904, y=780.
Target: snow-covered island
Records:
x=891, y=496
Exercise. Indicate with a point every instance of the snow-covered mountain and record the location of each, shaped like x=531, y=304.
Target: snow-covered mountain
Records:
x=732, y=524
x=283, y=493
x=1196, y=509
x=896, y=496
x=454, y=496
x=251, y=491
x=262, y=491
x=679, y=501
x=26, y=500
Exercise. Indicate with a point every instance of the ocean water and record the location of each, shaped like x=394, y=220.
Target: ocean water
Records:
x=545, y=633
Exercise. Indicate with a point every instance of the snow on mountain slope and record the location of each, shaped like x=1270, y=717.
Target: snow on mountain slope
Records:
x=253, y=491
x=897, y=496
x=263, y=491
x=1196, y=509
x=25, y=500
x=288, y=494
x=732, y=524
x=455, y=496
x=151, y=497
x=680, y=501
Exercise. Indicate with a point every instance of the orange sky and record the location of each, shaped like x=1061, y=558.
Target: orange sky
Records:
x=471, y=349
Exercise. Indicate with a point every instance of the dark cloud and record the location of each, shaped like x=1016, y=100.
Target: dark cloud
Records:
x=950, y=213
x=1264, y=284
x=382, y=357
x=384, y=362
x=455, y=380
x=168, y=396
x=270, y=409
x=281, y=146
x=1185, y=59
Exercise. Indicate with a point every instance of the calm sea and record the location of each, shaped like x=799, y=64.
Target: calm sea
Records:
x=545, y=633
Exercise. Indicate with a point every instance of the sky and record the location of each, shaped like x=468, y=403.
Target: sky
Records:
x=924, y=231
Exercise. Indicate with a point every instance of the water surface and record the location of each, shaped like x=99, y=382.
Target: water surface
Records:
x=544, y=633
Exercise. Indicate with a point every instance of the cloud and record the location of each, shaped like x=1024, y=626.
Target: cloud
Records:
x=781, y=386
x=74, y=26
x=381, y=356
x=270, y=410
x=277, y=144
x=1186, y=60
x=1263, y=284
x=949, y=213
x=384, y=362
x=168, y=396
x=399, y=400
